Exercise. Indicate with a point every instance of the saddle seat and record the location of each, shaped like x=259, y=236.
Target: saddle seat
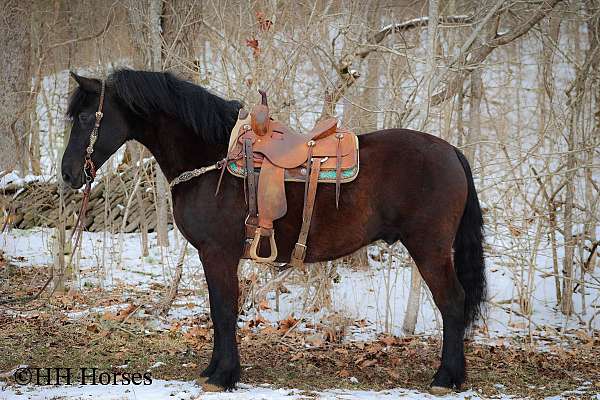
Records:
x=276, y=153
x=287, y=149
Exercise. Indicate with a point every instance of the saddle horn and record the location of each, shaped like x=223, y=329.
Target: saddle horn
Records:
x=260, y=118
x=263, y=94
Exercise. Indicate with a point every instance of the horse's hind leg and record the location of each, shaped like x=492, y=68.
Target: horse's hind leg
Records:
x=438, y=272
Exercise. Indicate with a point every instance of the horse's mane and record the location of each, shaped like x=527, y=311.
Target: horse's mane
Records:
x=147, y=93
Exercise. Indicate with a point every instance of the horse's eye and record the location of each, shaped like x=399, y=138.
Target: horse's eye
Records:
x=84, y=118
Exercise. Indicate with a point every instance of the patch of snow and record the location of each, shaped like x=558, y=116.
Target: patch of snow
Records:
x=157, y=364
x=159, y=389
x=178, y=390
x=13, y=178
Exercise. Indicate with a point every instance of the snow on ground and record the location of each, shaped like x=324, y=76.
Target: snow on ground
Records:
x=111, y=260
x=177, y=390
x=13, y=178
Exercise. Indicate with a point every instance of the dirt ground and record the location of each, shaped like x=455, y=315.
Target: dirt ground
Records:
x=48, y=339
x=44, y=336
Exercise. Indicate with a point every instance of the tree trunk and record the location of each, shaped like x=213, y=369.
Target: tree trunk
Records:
x=162, y=187
x=369, y=98
x=15, y=85
x=414, y=301
x=145, y=23
x=576, y=94
x=367, y=118
x=414, y=297
x=180, y=36
x=429, y=73
x=567, y=292
x=546, y=97
x=592, y=200
x=474, y=116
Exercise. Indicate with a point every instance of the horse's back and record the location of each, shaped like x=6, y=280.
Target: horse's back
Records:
x=405, y=178
x=413, y=165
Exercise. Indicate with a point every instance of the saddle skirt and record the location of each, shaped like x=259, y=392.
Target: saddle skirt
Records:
x=293, y=156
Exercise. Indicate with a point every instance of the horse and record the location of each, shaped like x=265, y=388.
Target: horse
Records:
x=412, y=187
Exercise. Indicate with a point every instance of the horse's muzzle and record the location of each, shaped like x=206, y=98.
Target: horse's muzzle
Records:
x=74, y=181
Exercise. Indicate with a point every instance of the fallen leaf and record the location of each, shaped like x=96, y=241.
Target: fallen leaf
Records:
x=367, y=363
x=388, y=340
x=286, y=324
x=120, y=315
x=264, y=305
x=269, y=330
x=374, y=348
x=259, y=319
x=393, y=374
x=253, y=44
x=315, y=340
x=361, y=323
x=341, y=350
x=344, y=373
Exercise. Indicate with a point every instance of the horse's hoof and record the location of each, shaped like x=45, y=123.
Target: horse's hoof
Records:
x=439, y=390
x=201, y=380
x=209, y=387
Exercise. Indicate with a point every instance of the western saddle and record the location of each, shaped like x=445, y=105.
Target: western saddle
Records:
x=267, y=153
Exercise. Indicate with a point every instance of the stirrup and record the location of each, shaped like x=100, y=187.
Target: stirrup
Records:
x=254, y=246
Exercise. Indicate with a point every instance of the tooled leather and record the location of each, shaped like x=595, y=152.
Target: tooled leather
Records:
x=272, y=203
x=293, y=151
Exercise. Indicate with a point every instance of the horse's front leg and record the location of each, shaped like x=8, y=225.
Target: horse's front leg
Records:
x=220, y=270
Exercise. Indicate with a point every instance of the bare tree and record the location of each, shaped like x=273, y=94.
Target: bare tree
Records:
x=414, y=297
x=15, y=78
x=576, y=96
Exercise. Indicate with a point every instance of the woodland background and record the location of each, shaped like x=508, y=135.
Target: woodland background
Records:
x=514, y=84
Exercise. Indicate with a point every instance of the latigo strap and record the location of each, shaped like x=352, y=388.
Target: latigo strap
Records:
x=299, y=252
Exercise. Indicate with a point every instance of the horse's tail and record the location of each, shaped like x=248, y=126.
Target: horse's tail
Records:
x=468, y=250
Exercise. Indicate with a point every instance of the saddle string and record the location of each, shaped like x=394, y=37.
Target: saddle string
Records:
x=224, y=162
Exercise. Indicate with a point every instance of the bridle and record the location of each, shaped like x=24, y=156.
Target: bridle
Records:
x=89, y=170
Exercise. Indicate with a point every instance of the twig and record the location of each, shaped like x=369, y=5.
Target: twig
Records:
x=81, y=39
x=167, y=302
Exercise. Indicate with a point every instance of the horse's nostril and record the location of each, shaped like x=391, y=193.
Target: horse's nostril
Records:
x=66, y=177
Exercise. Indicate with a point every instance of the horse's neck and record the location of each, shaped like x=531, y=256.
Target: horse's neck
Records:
x=177, y=148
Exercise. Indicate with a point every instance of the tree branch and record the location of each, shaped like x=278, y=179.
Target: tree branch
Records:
x=408, y=25
x=348, y=76
x=82, y=39
x=478, y=55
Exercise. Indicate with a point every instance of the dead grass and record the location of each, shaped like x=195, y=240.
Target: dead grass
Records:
x=49, y=339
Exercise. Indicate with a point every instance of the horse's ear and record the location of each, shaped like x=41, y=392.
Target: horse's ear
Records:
x=87, y=84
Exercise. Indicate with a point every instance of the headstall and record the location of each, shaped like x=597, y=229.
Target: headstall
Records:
x=89, y=170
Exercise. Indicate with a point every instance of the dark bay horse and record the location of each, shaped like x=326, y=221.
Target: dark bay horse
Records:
x=412, y=187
